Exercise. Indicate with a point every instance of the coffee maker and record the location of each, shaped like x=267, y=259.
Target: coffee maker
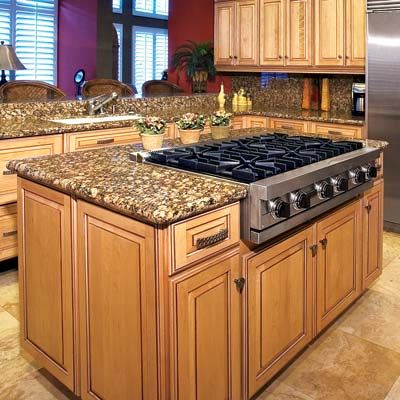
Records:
x=358, y=96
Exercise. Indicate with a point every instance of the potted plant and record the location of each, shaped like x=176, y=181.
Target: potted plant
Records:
x=197, y=58
x=190, y=127
x=152, y=132
x=220, y=124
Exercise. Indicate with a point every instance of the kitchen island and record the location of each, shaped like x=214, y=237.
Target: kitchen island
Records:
x=141, y=296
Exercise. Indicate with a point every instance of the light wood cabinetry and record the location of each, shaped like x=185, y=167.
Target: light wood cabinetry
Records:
x=8, y=231
x=337, y=129
x=372, y=234
x=117, y=292
x=356, y=22
x=14, y=149
x=279, y=306
x=256, y=122
x=206, y=326
x=339, y=262
x=236, y=32
x=46, y=279
x=288, y=124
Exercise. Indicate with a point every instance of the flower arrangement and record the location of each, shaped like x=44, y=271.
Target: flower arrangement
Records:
x=191, y=121
x=151, y=126
x=220, y=118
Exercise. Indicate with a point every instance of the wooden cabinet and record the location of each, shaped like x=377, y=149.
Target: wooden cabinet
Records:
x=206, y=326
x=14, y=149
x=118, y=314
x=272, y=32
x=8, y=231
x=356, y=33
x=46, y=279
x=372, y=234
x=288, y=124
x=337, y=129
x=339, y=262
x=238, y=123
x=256, y=122
x=236, y=32
x=279, y=306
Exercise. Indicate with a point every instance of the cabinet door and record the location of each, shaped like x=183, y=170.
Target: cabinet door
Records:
x=291, y=125
x=272, y=22
x=206, y=332
x=257, y=122
x=279, y=306
x=323, y=128
x=224, y=32
x=45, y=279
x=373, y=234
x=298, y=32
x=247, y=48
x=356, y=18
x=8, y=232
x=338, y=263
x=116, y=274
x=329, y=33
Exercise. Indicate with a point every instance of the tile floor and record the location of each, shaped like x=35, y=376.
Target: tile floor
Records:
x=358, y=358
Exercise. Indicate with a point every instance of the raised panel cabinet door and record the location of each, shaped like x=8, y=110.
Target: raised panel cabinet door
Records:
x=356, y=21
x=257, y=122
x=206, y=328
x=279, y=306
x=117, y=298
x=373, y=234
x=338, y=262
x=298, y=32
x=272, y=31
x=15, y=149
x=247, y=48
x=46, y=279
x=329, y=33
x=224, y=32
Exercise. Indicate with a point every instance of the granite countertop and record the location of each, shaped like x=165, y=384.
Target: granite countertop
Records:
x=152, y=194
x=33, y=126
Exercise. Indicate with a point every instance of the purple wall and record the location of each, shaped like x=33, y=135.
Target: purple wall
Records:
x=77, y=41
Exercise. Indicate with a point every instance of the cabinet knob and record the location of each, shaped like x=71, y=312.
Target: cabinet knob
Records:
x=324, y=243
x=314, y=249
x=240, y=284
x=368, y=208
x=235, y=57
x=340, y=57
x=280, y=57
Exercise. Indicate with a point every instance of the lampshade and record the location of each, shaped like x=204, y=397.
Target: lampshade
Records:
x=8, y=59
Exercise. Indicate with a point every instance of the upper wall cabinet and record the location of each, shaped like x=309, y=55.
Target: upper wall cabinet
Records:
x=236, y=33
x=290, y=35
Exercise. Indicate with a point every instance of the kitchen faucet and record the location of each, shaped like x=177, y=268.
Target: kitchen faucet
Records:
x=96, y=104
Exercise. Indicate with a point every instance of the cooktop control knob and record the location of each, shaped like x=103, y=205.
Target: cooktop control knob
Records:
x=301, y=200
x=340, y=184
x=280, y=209
x=371, y=171
x=324, y=190
x=358, y=176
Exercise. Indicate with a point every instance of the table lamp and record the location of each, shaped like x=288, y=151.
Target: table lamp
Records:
x=8, y=61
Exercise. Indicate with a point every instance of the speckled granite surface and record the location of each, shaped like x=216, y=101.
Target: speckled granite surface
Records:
x=34, y=126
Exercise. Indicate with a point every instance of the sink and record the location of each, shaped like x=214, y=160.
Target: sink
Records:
x=96, y=120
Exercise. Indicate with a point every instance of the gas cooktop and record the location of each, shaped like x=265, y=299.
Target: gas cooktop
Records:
x=253, y=158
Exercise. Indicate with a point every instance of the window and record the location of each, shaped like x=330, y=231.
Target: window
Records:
x=30, y=26
x=117, y=6
x=119, y=29
x=150, y=54
x=151, y=8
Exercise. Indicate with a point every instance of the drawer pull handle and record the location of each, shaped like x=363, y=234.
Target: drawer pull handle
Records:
x=105, y=141
x=9, y=234
x=7, y=172
x=201, y=243
x=335, y=132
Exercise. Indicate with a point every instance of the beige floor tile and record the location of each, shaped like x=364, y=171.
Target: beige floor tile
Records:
x=344, y=367
x=389, y=281
x=9, y=292
x=394, y=393
x=391, y=247
x=280, y=391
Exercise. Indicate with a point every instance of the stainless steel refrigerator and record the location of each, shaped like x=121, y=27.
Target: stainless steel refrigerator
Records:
x=383, y=96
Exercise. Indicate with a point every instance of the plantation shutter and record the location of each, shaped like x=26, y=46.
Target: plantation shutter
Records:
x=117, y=6
x=119, y=29
x=156, y=8
x=5, y=23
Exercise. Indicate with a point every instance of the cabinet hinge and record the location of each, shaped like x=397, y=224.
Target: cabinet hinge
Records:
x=240, y=284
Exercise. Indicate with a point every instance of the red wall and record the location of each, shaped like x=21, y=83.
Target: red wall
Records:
x=194, y=20
x=77, y=41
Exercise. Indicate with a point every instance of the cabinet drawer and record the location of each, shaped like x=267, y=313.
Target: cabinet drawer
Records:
x=238, y=123
x=256, y=122
x=14, y=149
x=96, y=139
x=336, y=129
x=8, y=232
x=289, y=125
x=203, y=236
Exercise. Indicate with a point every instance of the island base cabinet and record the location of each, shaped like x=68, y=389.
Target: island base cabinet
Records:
x=373, y=234
x=279, y=307
x=45, y=279
x=206, y=331
x=338, y=277
x=117, y=296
